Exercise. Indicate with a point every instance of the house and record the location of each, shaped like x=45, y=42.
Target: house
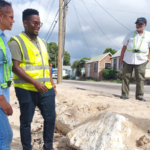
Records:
x=65, y=70
x=82, y=66
x=95, y=66
x=116, y=65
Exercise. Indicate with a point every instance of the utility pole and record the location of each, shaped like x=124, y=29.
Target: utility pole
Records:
x=55, y=60
x=64, y=24
x=64, y=28
x=60, y=43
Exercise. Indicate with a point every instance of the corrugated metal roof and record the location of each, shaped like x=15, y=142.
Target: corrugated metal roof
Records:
x=117, y=54
x=97, y=58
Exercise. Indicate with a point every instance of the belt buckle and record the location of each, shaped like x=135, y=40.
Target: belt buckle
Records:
x=9, y=83
x=136, y=51
x=5, y=61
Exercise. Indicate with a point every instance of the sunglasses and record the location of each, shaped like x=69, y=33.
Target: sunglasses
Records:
x=36, y=23
x=140, y=24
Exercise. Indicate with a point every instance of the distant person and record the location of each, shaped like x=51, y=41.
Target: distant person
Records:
x=32, y=80
x=6, y=22
x=51, y=68
x=135, y=55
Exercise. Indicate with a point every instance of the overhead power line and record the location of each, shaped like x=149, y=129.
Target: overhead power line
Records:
x=52, y=30
x=44, y=16
x=39, y=4
x=98, y=25
x=112, y=16
x=30, y=3
x=91, y=27
x=53, y=24
x=81, y=27
x=116, y=9
x=52, y=4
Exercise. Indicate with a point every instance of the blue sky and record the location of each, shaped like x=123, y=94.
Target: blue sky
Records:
x=125, y=11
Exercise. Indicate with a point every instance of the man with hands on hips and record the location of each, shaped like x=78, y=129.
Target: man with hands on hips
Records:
x=135, y=55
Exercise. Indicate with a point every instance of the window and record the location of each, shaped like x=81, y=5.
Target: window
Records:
x=107, y=65
x=95, y=67
x=120, y=67
x=66, y=72
x=115, y=64
x=54, y=71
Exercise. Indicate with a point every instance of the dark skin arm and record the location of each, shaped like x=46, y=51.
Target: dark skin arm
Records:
x=22, y=75
x=6, y=107
x=148, y=56
x=122, y=54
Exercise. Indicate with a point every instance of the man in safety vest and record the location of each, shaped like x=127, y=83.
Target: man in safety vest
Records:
x=135, y=55
x=32, y=80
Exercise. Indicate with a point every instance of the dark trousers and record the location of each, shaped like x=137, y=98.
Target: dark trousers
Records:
x=28, y=100
x=139, y=76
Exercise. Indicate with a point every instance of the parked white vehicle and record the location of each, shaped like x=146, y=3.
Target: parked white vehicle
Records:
x=66, y=70
x=54, y=75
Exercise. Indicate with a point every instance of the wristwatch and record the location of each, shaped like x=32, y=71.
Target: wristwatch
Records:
x=54, y=86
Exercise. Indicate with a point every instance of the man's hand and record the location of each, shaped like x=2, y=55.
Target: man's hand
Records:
x=40, y=87
x=6, y=107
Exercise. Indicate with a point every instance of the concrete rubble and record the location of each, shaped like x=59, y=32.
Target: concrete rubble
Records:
x=37, y=136
x=92, y=121
x=106, y=131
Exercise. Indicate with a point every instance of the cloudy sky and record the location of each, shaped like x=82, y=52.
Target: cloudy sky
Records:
x=100, y=29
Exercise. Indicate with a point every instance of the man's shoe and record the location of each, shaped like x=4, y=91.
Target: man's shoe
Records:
x=124, y=98
x=141, y=99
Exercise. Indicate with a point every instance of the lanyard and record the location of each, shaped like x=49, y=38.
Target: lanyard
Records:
x=7, y=68
x=134, y=46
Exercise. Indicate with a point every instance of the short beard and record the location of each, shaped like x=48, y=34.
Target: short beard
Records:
x=140, y=29
x=35, y=35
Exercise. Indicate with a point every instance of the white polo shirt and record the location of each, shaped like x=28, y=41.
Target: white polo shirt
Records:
x=136, y=58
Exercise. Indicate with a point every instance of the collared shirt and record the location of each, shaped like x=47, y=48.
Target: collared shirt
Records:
x=15, y=49
x=5, y=91
x=137, y=58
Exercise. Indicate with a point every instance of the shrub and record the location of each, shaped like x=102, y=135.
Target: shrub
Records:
x=78, y=72
x=66, y=77
x=119, y=75
x=109, y=74
x=73, y=78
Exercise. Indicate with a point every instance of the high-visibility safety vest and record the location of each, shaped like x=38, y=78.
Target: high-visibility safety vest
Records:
x=137, y=50
x=7, y=68
x=34, y=63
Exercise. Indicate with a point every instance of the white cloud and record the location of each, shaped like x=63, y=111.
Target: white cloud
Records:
x=75, y=44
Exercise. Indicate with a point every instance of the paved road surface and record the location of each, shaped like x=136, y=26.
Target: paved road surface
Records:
x=109, y=88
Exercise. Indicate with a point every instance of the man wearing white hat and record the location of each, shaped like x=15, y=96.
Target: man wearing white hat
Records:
x=135, y=55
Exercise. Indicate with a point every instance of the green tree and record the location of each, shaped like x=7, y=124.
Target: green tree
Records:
x=112, y=51
x=75, y=64
x=53, y=53
x=83, y=59
x=66, y=59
